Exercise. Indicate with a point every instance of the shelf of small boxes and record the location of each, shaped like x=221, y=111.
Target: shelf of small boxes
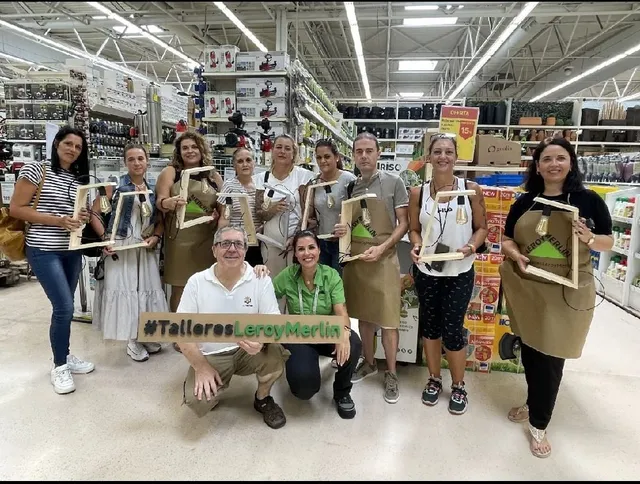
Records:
x=486, y=320
x=112, y=94
x=174, y=106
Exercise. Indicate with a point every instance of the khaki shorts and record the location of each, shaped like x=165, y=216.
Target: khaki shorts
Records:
x=236, y=362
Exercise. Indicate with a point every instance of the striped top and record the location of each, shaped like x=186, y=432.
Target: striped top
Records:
x=57, y=198
x=233, y=185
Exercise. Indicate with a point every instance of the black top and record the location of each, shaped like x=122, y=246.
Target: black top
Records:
x=590, y=204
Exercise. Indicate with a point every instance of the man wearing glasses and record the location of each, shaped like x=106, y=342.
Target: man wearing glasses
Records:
x=231, y=286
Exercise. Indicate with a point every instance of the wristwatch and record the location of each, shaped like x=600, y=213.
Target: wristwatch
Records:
x=591, y=240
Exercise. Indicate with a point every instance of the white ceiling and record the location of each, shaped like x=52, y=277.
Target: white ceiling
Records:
x=558, y=41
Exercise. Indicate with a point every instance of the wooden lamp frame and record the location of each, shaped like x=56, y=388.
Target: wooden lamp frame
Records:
x=444, y=256
x=247, y=219
x=75, y=237
x=346, y=218
x=310, y=192
x=268, y=240
x=111, y=242
x=565, y=281
x=184, y=193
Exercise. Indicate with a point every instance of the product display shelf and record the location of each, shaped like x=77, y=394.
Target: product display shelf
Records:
x=618, y=288
x=241, y=74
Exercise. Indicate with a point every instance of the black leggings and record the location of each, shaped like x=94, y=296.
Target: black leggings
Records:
x=443, y=304
x=543, y=374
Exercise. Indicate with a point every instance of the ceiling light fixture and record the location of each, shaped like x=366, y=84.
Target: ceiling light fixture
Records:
x=430, y=21
x=421, y=7
x=72, y=51
x=630, y=97
x=417, y=65
x=506, y=33
x=144, y=31
x=357, y=44
x=588, y=72
x=223, y=8
x=2, y=78
x=411, y=94
x=17, y=59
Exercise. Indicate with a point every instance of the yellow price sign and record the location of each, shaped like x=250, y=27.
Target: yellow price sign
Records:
x=462, y=122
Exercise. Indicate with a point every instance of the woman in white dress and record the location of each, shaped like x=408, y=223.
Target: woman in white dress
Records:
x=131, y=283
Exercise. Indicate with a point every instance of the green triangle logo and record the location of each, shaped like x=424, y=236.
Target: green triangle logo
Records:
x=547, y=251
x=192, y=207
x=361, y=231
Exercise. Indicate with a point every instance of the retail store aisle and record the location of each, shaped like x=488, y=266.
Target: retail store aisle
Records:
x=125, y=420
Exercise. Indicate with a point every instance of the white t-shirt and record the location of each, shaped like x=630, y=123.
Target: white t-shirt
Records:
x=276, y=227
x=204, y=293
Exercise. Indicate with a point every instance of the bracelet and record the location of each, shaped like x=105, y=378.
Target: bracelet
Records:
x=162, y=202
x=472, y=247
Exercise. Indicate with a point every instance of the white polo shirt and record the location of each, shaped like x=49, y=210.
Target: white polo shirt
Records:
x=204, y=293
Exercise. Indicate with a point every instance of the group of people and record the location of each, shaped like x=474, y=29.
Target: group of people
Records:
x=211, y=268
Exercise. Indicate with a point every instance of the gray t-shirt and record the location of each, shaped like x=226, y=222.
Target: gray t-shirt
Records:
x=387, y=187
x=328, y=217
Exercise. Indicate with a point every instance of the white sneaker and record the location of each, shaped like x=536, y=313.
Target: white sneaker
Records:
x=62, y=380
x=152, y=348
x=137, y=352
x=76, y=365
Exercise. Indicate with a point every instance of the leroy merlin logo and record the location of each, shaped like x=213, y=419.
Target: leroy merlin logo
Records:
x=362, y=231
x=194, y=205
x=548, y=247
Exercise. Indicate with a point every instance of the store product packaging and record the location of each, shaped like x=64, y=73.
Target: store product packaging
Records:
x=212, y=106
x=263, y=108
x=272, y=61
x=227, y=103
x=246, y=62
x=227, y=57
x=211, y=59
x=247, y=88
x=492, y=150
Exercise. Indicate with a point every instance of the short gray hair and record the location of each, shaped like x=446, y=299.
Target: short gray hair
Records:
x=229, y=228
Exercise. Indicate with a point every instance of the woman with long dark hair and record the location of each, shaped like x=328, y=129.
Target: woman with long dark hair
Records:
x=313, y=288
x=552, y=320
x=326, y=205
x=47, y=240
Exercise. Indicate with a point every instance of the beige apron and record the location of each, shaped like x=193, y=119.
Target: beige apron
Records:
x=372, y=289
x=552, y=318
x=188, y=251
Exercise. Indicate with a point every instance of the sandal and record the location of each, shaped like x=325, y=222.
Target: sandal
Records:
x=539, y=437
x=519, y=414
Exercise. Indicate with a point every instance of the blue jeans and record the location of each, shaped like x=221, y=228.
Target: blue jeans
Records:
x=330, y=254
x=58, y=273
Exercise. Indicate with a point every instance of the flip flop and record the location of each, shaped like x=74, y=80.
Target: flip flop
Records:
x=519, y=414
x=537, y=437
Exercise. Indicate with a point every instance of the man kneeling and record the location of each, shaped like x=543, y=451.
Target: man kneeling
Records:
x=230, y=286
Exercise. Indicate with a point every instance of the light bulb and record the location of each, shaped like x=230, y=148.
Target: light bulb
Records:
x=461, y=213
x=366, y=215
x=330, y=200
x=227, y=208
x=204, y=185
x=543, y=224
x=267, y=200
x=145, y=210
x=105, y=206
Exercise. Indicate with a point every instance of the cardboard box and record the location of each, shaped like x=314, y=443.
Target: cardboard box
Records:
x=495, y=151
x=227, y=103
x=263, y=108
x=211, y=59
x=247, y=88
x=227, y=57
x=246, y=61
x=212, y=107
x=267, y=87
x=271, y=61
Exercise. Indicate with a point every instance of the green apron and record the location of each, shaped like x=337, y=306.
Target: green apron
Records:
x=552, y=318
x=372, y=289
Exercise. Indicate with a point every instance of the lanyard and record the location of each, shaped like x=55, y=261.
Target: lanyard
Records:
x=315, y=299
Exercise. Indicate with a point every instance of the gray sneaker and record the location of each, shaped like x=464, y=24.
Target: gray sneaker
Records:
x=391, y=392
x=363, y=370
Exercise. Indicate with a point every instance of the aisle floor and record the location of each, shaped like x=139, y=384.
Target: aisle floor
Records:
x=125, y=420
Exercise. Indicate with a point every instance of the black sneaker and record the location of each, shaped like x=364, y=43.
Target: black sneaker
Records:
x=432, y=391
x=271, y=412
x=346, y=407
x=458, y=402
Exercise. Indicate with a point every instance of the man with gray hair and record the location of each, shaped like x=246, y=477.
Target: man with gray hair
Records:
x=231, y=286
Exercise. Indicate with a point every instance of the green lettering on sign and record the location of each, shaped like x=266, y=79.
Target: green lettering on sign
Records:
x=306, y=331
x=292, y=329
x=250, y=330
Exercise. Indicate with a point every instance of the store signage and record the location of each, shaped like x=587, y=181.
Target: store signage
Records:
x=231, y=328
x=394, y=166
x=462, y=122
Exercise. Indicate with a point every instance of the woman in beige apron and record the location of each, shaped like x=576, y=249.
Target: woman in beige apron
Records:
x=552, y=320
x=187, y=251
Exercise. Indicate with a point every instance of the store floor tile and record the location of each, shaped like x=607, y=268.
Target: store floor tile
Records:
x=126, y=421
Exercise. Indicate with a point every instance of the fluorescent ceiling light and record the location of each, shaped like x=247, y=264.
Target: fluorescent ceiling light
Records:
x=17, y=59
x=449, y=7
x=134, y=29
x=630, y=97
x=223, y=8
x=421, y=7
x=72, y=51
x=417, y=65
x=357, y=44
x=411, y=94
x=588, y=72
x=460, y=7
x=429, y=21
x=506, y=33
x=2, y=78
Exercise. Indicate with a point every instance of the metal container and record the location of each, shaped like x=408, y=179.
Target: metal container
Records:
x=154, y=114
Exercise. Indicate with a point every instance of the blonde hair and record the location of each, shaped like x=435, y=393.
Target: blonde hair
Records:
x=177, y=161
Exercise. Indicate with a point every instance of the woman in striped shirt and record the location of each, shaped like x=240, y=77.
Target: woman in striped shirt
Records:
x=244, y=164
x=47, y=240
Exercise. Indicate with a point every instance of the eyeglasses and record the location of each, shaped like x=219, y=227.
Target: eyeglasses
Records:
x=226, y=244
x=443, y=136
